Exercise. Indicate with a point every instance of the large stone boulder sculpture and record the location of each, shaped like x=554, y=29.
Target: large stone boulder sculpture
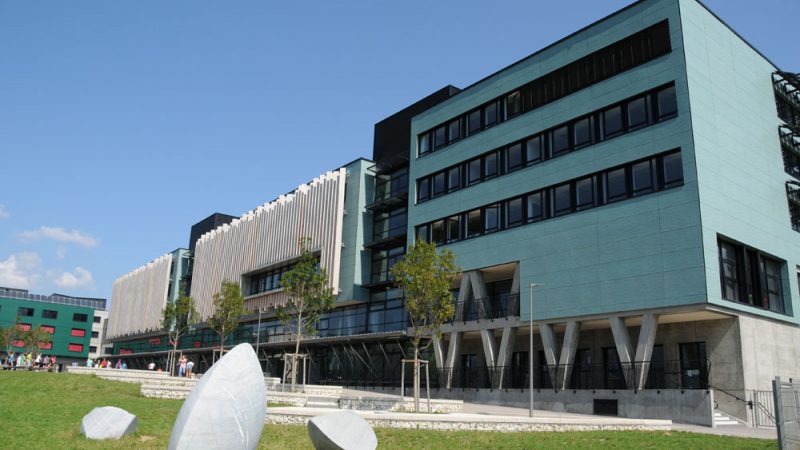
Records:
x=341, y=431
x=227, y=407
x=108, y=422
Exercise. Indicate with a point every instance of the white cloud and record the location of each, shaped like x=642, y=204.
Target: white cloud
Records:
x=20, y=270
x=4, y=213
x=60, y=234
x=80, y=278
x=61, y=252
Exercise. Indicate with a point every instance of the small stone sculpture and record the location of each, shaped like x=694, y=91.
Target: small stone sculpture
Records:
x=227, y=407
x=341, y=431
x=108, y=422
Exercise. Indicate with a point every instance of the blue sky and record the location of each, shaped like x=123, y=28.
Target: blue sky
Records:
x=123, y=123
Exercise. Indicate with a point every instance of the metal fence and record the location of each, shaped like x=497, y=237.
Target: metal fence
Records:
x=787, y=412
x=496, y=307
x=762, y=408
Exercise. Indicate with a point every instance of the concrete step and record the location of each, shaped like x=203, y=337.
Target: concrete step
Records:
x=721, y=419
x=321, y=404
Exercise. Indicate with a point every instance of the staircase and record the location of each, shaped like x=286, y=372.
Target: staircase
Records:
x=322, y=402
x=721, y=419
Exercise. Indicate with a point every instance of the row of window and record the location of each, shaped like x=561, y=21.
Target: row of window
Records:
x=793, y=198
x=634, y=179
x=50, y=314
x=389, y=224
x=76, y=332
x=267, y=281
x=632, y=114
x=605, y=63
x=749, y=276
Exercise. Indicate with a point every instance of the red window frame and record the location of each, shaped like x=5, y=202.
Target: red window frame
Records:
x=49, y=329
x=47, y=346
x=24, y=326
x=78, y=332
x=78, y=348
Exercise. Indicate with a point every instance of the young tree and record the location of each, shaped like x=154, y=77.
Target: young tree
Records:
x=176, y=320
x=34, y=337
x=306, y=284
x=228, y=309
x=426, y=279
x=10, y=334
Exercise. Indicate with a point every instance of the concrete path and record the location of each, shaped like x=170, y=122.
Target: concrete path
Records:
x=730, y=430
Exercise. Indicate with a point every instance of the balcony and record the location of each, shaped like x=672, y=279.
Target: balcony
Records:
x=389, y=193
x=497, y=307
x=787, y=96
x=386, y=238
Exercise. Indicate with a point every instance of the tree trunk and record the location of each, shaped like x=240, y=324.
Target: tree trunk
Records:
x=172, y=362
x=416, y=379
x=296, y=349
x=221, y=342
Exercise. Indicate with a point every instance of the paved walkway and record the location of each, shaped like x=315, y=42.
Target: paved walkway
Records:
x=494, y=410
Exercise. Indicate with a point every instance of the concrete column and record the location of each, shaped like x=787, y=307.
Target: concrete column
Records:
x=463, y=296
x=490, y=353
x=504, y=354
x=515, y=280
x=438, y=351
x=644, y=348
x=453, y=349
x=549, y=344
x=624, y=350
x=568, y=349
x=480, y=293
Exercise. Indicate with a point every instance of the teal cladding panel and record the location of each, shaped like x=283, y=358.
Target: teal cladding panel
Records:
x=636, y=254
x=740, y=170
x=355, y=260
x=63, y=324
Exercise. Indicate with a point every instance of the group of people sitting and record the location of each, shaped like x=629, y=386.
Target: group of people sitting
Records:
x=106, y=364
x=29, y=360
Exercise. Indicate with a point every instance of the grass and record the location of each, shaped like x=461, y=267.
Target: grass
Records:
x=44, y=410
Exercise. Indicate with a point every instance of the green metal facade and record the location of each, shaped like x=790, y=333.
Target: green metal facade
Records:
x=357, y=225
x=655, y=251
x=63, y=324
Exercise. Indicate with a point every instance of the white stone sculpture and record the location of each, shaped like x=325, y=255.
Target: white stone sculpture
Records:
x=341, y=431
x=108, y=422
x=227, y=407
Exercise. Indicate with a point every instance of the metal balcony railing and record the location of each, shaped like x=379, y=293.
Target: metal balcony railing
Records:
x=496, y=307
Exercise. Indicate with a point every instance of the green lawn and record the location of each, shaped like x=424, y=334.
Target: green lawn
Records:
x=44, y=410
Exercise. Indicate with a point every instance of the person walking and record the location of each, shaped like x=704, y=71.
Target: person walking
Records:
x=189, y=367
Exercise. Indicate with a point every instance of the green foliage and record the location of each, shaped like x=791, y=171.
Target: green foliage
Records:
x=9, y=334
x=306, y=285
x=176, y=319
x=228, y=309
x=35, y=336
x=426, y=279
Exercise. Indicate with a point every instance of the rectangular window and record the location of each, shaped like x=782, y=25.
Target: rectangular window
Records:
x=612, y=122
x=454, y=179
x=474, y=171
x=424, y=144
x=25, y=312
x=97, y=319
x=491, y=218
x=454, y=130
x=584, y=193
x=49, y=329
x=560, y=140
x=77, y=332
x=439, y=137
x=533, y=150
x=514, y=212
x=582, y=132
x=24, y=327
x=750, y=276
x=474, y=122
x=45, y=346
x=616, y=185
x=95, y=334
x=49, y=314
x=642, y=178
x=667, y=103
x=78, y=317
x=78, y=348
x=490, y=165
x=18, y=343
x=438, y=232
x=513, y=157
x=92, y=349
x=490, y=114
x=453, y=228
x=513, y=104
x=562, y=199
x=423, y=189
x=422, y=233
x=673, y=170
x=535, y=206
x=439, y=184
x=474, y=223
x=637, y=113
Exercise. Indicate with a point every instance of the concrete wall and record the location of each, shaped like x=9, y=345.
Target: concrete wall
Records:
x=769, y=349
x=689, y=406
x=357, y=225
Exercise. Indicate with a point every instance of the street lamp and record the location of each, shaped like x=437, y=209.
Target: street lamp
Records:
x=258, y=335
x=530, y=353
